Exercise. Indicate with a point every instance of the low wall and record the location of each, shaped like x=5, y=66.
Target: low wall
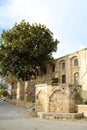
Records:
x=13, y=101
x=60, y=116
x=58, y=98
x=83, y=109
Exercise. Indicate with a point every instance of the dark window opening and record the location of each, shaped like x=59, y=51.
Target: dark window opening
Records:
x=53, y=68
x=54, y=80
x=37, y=73
x=63, y=78
x=44, y=70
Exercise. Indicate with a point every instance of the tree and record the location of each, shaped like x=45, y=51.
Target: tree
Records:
x=25, y=47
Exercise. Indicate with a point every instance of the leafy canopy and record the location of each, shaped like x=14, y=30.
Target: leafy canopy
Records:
x=25, y=47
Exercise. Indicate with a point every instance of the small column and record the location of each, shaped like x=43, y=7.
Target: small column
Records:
x=26, y=92
x=18, y=92
x=71, y=98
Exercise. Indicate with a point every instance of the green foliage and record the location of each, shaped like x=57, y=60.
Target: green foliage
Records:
x=31, y=98
x=24, y=47
x=86, y=102
x=11, y=97
x=3, y=85
x=78, y=98
x=3, y=92
x=31, y=95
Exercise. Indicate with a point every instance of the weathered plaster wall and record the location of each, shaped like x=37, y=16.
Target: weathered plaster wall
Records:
x=82, y=109
x=54, y=98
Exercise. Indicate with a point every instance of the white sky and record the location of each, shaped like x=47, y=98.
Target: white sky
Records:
x=67, y=19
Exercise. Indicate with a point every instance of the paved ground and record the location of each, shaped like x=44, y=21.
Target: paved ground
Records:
x=16, y=118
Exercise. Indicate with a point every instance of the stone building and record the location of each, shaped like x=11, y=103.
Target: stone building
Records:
x=69, y=70
x=60, y=82
x=65, y=73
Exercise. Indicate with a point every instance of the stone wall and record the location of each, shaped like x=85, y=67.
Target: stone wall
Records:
x=55, y=98
x=60, y=97
x=41, y=98
x=25, y=92
x=82, y=109
x=75, y=72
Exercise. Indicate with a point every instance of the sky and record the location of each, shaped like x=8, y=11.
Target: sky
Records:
x=67, y=19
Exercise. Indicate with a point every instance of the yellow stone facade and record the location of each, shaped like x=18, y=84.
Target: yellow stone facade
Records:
x=69, y=70
x=56, y=79
x=51, y=98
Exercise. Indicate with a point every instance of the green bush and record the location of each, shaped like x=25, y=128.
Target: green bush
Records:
x=13, y=97
x=9, y=96
x=86, y=102
x=78, y=98
x=3, y=92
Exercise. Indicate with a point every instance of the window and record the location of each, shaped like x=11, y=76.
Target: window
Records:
x=76, y=62
x=76, y=78
x=44, y=71
x=63, y=66
x=54, y=80
x=53, y=68
x=63, y=78
x=37, y=73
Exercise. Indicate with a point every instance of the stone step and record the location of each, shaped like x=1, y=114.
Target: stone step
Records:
x=60, y=116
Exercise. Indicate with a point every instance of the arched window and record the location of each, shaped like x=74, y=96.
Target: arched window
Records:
x=63, y=78
x=76, y=78
x=63, y=65
x=53, y=68
x=75, y=62
x=44, y=70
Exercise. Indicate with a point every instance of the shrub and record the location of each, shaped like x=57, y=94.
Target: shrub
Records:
x=86, y=102
x=78, y=98
x=4, y=92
